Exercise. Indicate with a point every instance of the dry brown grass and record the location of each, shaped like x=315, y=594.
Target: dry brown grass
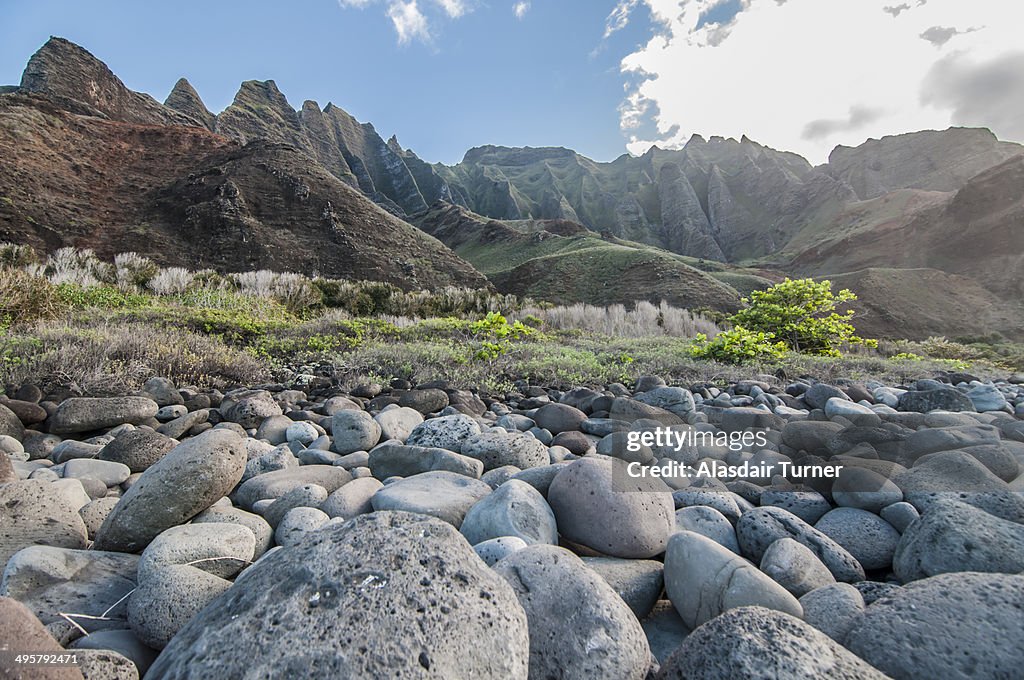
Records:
x=26, y=297
x=117, y=357
x=643, y=320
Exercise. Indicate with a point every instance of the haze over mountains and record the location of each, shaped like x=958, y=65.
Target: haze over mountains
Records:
x=926, y=226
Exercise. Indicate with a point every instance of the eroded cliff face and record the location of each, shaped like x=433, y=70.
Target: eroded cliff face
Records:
x=89, y=163
x=928, y=160
x=64, y=72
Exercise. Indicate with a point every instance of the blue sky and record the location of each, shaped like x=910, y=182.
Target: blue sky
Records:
x=598, y=76
x=483, y=77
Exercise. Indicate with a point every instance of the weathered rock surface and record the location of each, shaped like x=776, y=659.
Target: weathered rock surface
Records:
x=956, y=626
x=579, y=626
x=754, y=642
x=34, y=512
x=410, y=584
x=183, y=483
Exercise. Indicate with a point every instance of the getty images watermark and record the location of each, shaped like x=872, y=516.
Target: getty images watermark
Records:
x=664, y=438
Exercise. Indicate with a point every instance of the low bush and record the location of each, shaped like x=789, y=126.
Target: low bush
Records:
x=114, y=358
x=26, y=297
x=738, y=346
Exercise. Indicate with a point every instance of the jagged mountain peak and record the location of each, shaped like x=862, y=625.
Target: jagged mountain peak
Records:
x=266, y=92
x=64, y=71
x=184, y=99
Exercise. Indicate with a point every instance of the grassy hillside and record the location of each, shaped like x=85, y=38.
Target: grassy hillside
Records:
x=561, y=261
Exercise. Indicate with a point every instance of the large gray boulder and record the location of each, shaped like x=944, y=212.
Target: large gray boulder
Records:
x=167, y=598
x=260, y=528
x=557, y=418
x=392, y=459
x=36, y=512
x=704, y=579
x=709, y=522
x=383, y=595
x=138, y=448
x=497, y=449
x=220, y=548
x=353, y=431
x=951, y=536
x=354, y=498
x=579, y=626
x=445, y=495
x=638, y=582
x=513, y=509
x=794, y=567
x=754, y=643
x=50, y=580
x=277, y=483
x=833, y=609
x=598, y=505
x=445, y=432
x=943, y=399
x=11, y=425
x=398, y=422
x=869, y=538
x=952, y=626
x=179, y=486
x=85, y=414
x=249, y=408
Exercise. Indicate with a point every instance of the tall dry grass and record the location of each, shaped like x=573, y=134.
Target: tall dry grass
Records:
x=645, y=319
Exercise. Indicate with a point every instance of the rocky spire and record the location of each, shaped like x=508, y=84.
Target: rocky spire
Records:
x=185, y=99
x=63, y=71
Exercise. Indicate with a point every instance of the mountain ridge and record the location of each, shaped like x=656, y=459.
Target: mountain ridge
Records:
x=934, y=205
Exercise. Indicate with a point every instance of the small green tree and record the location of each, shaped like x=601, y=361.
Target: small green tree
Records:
x=798, y=315
x=802, y=313
x=738, y=346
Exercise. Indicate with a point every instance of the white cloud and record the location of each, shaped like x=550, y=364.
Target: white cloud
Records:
x=520, y=9
x=453, y=8
x=806, y=75
x=409, y=21
x=618, y=19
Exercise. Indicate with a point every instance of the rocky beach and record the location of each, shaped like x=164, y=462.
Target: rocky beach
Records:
x=428, y=531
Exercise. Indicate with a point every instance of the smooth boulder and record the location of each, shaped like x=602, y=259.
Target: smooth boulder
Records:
x=85, y=414
x=704, y=579
x=445, y=495
x=513, y=509
x=579, y=627
x=183, y=483
x=36, y=512
x=597, y=504
x=755, y=643
x=758, y=528
x=383, y=595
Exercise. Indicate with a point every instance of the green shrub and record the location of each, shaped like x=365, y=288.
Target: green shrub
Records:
x=802, y=314
x=102, y=296
x=494, y=335
x=738, y=346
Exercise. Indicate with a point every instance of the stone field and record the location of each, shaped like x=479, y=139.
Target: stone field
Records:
x=434, y=532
